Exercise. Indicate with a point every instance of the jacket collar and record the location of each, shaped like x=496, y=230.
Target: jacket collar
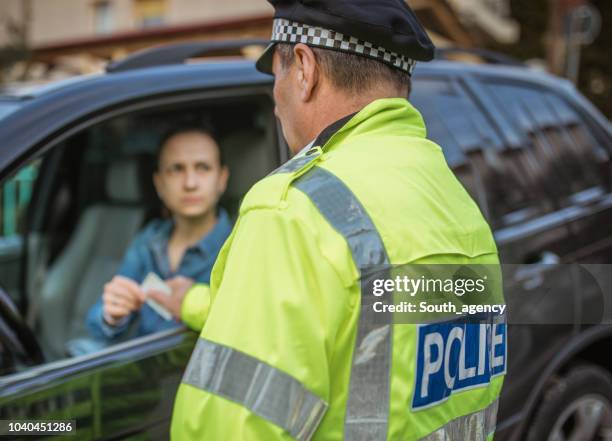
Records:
x=395, y=115
x=329, y=131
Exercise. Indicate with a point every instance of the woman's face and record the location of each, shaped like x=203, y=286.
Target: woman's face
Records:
x=190, y=178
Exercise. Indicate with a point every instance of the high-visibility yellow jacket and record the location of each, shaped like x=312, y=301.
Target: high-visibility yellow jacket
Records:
x=288, y=350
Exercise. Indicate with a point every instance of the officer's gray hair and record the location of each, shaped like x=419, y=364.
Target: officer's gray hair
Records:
x=350, y=72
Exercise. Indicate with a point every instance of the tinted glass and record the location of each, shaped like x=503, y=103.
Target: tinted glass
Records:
x=560, y=155
x=475, y=151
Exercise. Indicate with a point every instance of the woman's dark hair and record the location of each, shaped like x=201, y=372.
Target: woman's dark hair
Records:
x=204, y=129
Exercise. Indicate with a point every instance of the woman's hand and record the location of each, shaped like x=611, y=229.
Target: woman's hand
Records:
x=121, y=297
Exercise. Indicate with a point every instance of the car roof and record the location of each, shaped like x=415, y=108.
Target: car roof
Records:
x=78, y=100
x=32, y=89
x=224, y=69
x=224, y=73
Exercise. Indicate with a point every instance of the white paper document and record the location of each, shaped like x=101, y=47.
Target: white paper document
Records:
x=153, y=282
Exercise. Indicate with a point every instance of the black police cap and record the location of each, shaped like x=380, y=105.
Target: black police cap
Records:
x=385, y=30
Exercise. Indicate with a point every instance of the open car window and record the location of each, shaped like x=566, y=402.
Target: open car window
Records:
x=79, y=206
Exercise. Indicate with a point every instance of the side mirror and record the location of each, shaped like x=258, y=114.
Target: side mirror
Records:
x=15, y=334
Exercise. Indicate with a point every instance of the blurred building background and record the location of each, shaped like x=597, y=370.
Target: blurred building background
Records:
x=42, y=40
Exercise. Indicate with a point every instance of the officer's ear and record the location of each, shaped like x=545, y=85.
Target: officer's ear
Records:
x=307, y=71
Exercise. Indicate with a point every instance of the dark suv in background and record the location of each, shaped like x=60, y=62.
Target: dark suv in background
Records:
x=75, y=165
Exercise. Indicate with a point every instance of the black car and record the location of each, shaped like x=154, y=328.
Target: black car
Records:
x=75, y=164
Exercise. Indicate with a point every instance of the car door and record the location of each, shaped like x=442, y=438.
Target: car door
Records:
x=123, y=390
x=128, y=389
x=492, y=156
x=535, y=240
x=583, y=141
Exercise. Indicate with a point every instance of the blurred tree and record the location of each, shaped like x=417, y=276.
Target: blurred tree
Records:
x=533, y=18
x=595, y=76
x=17, y=50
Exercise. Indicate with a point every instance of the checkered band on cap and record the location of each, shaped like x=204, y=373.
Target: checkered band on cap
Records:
x=287, y=31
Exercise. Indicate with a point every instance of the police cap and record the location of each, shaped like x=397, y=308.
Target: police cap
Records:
x=384, y=30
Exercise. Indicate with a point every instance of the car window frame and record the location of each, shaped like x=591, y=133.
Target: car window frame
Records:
x=475, y=83
x=144, y=346
x=508, y=233
x=146, y=103
x=588, y=115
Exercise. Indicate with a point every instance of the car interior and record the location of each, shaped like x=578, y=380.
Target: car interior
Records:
x=93, y=192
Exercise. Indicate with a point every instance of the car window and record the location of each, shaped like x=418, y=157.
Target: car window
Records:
x=561, y=155
x=475, y=151
x=15, y=196
x=75, y=211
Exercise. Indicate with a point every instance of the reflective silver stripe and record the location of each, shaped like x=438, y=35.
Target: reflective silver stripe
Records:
x=259, y=387
x=344, y=212
x=295, y=163
x=367, y=409
x=475, y=426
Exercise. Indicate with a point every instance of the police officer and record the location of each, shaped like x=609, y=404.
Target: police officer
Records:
x=290, y=349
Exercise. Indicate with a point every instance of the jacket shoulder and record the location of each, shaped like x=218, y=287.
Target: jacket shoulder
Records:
x=271, y=191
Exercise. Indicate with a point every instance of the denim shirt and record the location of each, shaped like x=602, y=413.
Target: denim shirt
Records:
x=149, y=253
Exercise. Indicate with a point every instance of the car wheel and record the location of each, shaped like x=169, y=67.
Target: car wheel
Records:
x=577, y=406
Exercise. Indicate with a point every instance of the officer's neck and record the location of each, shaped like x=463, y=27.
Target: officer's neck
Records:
x=332, y=105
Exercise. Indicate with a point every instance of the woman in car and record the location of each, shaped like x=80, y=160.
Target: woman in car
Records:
x=190, y=178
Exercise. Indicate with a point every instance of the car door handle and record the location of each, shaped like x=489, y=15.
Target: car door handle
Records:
x=530, y=275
